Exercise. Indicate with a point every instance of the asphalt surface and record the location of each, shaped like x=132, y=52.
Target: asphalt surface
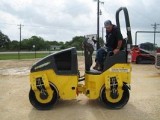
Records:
x=144, y=102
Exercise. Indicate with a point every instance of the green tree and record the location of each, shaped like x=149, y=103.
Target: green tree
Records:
x=61, y=43
x=47, y=45
x=75, y=42
x=14, y=45
x=54, y=43
x=25, y=45
x=40, y=44
x=4, y=41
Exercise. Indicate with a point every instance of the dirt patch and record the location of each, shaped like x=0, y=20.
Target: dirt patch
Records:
x=144, y=103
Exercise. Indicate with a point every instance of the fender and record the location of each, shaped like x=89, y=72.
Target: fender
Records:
x=127, y=85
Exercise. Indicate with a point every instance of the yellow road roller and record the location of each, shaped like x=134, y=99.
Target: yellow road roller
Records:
x=57, y=76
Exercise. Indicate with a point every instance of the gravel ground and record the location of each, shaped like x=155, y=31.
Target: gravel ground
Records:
x=144, y=103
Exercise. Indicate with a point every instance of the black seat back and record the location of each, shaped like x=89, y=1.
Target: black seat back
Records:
x=124, y=44
x=112, y=59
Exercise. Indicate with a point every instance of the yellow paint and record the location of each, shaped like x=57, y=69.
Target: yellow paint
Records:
x=94, y=83
x=46, y=84
x=67, y=85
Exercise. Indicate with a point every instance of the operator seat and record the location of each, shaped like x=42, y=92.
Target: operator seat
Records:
x=120, y=57
x=110, y=59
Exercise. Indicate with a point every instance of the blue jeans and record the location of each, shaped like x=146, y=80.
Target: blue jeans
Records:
x=101, y=55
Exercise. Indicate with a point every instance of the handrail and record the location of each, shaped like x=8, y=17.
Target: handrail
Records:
x=128, y=28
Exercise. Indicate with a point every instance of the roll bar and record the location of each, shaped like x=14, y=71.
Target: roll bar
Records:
x=128, y=28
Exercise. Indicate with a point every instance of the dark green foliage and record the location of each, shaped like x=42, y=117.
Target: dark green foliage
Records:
x=75, y=42
x=4, y=41
x=37, y=43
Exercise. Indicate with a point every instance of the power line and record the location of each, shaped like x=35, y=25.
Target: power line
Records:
x=8, y=23
x=49, y=27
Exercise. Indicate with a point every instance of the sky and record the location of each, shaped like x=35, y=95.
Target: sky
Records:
x=62, y=20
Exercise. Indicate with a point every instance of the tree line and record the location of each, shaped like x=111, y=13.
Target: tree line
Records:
x=38, y=43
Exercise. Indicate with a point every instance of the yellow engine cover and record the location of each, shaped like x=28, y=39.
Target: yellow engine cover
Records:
x=94, y=83
x=66, y=85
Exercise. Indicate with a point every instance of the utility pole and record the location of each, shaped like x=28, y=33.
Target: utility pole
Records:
x=98, y=25
x=102, y=33
x=98, y=14
x=20, y=28
x=155, y=25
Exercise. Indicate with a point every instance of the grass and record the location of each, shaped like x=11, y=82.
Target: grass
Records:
x=12, y=56
x=22, y=56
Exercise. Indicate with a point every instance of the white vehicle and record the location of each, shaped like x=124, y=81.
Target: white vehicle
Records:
x=157, y=61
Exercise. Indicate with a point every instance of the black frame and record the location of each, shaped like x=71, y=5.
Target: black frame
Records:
x=51, y=61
